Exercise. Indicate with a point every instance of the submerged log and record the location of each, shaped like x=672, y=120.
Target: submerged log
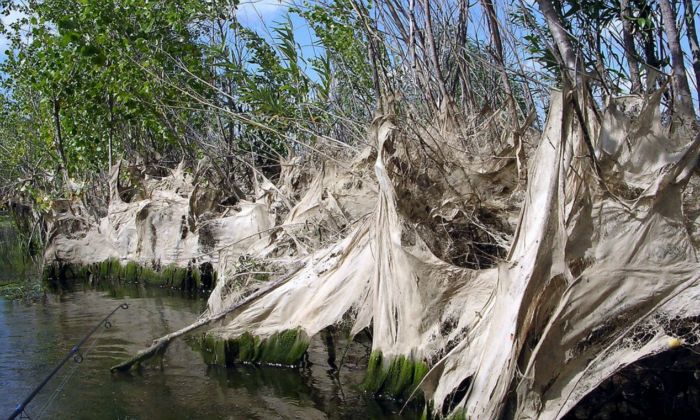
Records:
x=160, y=345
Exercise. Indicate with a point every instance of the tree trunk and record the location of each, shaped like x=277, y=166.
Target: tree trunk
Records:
x=649, y=49
x=58, y=138
x=465, y=81
x=497, y=45
x=630, y=50
x=693, y=41
x=412, y=33
x=111, y=130
x=572, y=68
x=432, y=52
x=679, y=80
x=648, y=40
x=414, y=41
x=573, y=71
x=373, y=54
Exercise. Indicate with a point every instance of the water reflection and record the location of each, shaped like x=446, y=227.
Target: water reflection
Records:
x=33, y=338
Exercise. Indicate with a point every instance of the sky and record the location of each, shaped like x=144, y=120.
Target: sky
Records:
x=13, y=17
x=252, y=12
x=261, y=15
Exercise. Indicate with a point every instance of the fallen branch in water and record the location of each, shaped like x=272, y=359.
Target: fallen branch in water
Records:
x=160, y=345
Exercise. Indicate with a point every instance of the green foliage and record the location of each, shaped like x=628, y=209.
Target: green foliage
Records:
x=345, y=64
x=19, y=279
x=337, y=27
x=586, y=23
x=275, y=90
x=87, y=70
x=15, y=253
x=537, y=41
x=141, y=77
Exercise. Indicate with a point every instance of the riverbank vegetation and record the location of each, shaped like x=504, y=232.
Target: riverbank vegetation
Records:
x=190, y=279
x=19, y=278
x=502, y=195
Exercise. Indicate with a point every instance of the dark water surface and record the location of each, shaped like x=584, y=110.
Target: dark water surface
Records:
x=35, y=337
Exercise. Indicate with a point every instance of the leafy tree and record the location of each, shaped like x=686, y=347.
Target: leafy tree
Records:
x=100, y=75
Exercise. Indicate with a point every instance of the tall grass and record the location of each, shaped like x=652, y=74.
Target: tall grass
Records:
x=19, y=272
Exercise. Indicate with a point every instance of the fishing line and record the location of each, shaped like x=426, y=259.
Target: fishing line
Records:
x=73, y=353
x=65, y=380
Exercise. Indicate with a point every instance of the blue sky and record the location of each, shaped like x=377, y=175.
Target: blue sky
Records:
x=255, y=13
x=262, y=15
x=7, y=20
x=259, y=15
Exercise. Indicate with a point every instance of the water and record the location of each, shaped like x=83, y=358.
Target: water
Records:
x=35, y=337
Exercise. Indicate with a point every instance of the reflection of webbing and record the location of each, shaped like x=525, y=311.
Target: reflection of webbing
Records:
x=77, y=357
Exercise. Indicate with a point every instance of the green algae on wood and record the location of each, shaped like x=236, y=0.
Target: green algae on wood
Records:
x=282, y=348
x=151, y=277
x=285, y=347
x=213, y=350
x=376, y=375
x=399, y=377
x=131, y=271
x=190, y=278
x=245, y=348
x=108, y=268
x=396, y=378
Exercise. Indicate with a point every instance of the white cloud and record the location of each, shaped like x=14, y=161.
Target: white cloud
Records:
x=253, y=12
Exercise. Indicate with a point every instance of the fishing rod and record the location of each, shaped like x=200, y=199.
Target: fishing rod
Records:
x=73, y=353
